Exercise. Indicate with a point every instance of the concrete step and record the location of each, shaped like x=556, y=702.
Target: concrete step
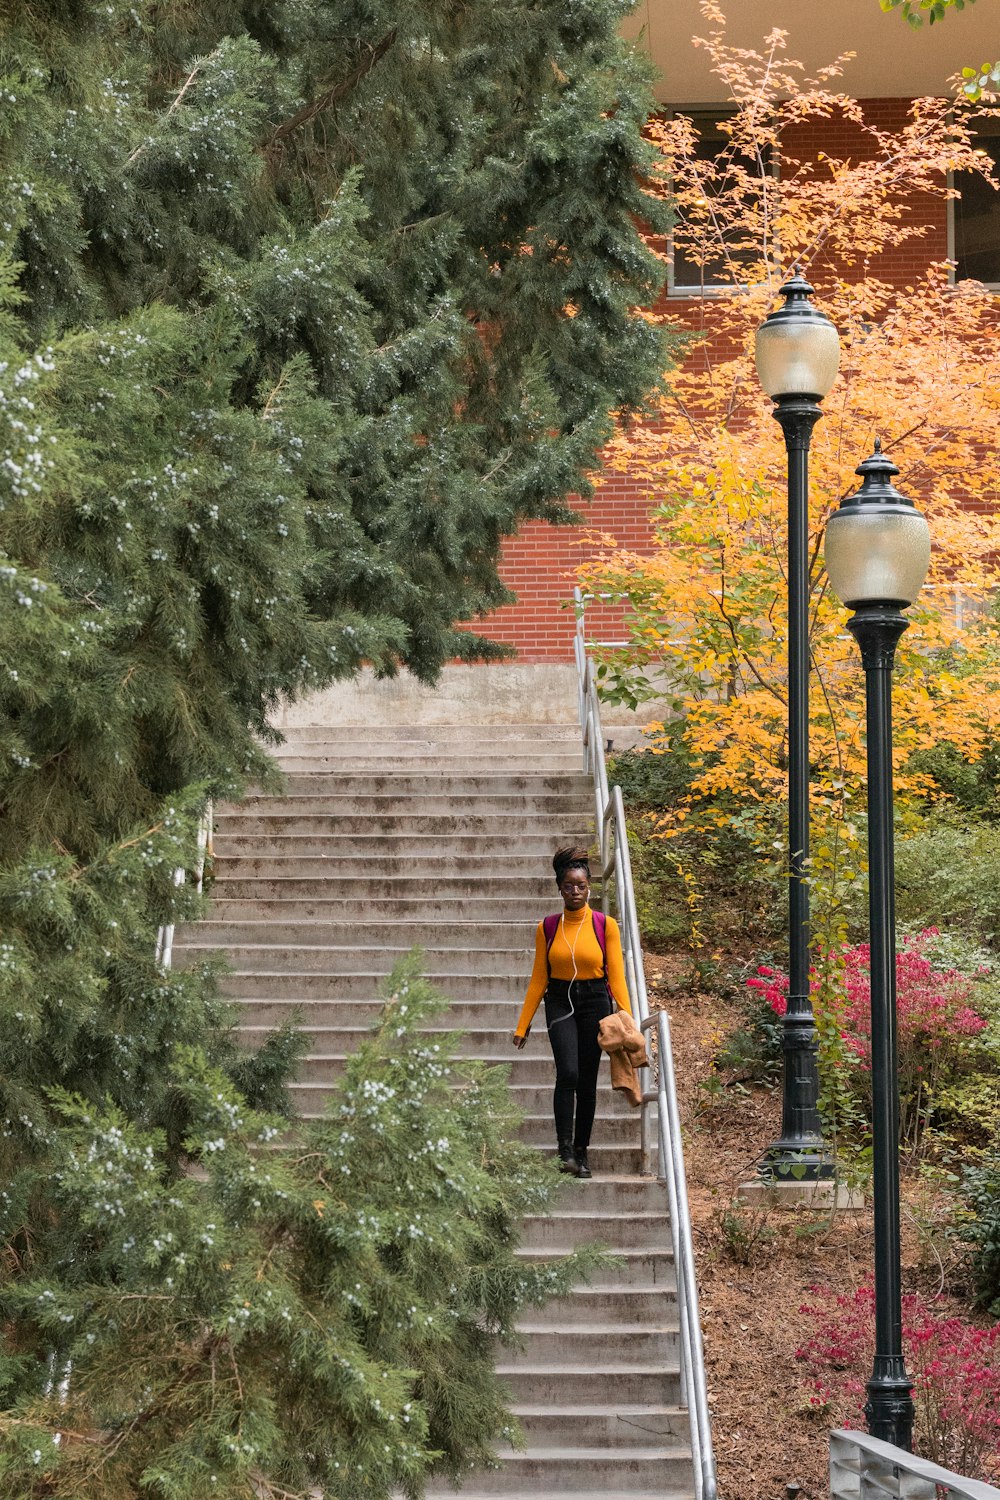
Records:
x=322, y=1018
x=330, y=788
x=583, y=1386
x=611, y=1127
x=551, y=1341
x=662, y=1470
x=310, y=1099
x=400, y=783
x=444, y=912
x=503, y=965
x=412, y=844
x=330, y=1038
x=611, y=1425
x=609, y=1193
x=531, y=1097
x=475, y=997
x=412, y=848
x=633, y=1268
x=537, y=1129
x=437, y=815
x=516, y=937
x=333, y=1043
x=273, y=998
x=310, y=1095
x=631, y=1307
x=435, y=1491
x=321, y=1065
x=604, y=1156
x=434, y=734
x=535, y=869
x=473, y=887
x=615, y=1193
x=341, y=1037
x=515, y=757
x=531, y=1082
x=642, y=1230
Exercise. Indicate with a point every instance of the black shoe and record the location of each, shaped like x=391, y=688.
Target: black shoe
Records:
x=582, y=1165
x=567, y=1159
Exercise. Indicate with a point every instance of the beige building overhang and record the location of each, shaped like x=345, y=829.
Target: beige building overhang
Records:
x=892, y=61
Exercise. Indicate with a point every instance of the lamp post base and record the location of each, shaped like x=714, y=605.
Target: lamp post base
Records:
x=799, y=1154
x=825, y=1194
x=889, y=1408
x=796, y=1160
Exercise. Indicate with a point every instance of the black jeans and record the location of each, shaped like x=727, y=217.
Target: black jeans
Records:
x=573, y=1014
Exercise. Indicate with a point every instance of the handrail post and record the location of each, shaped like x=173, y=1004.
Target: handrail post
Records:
x=164, y=954
x=863, y=1466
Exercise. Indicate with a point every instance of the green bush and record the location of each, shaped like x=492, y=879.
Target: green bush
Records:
x=967, y=1106
x=980, y=1228
x=652, y=783
x=651, y=779
x=659, y=887
x=973, y=788
x=753, y=1048
x=708, y=877
x=946, y=876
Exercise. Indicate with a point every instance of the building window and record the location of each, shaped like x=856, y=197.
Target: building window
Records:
x=975, y=216
x=726, y=169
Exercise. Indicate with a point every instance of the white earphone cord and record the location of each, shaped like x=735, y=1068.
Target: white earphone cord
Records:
x=572, y=953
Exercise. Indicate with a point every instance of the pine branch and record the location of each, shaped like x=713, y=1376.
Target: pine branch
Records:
x=339, y=90
x=274, y=396
x=269, y=1490
x=176, y=100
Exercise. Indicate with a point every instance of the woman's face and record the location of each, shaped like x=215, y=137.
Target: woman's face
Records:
x=574, y=888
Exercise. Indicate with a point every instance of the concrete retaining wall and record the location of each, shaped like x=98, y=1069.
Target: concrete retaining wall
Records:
x=508, y=693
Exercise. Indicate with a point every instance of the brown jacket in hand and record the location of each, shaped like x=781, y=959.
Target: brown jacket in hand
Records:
x=622, y=1040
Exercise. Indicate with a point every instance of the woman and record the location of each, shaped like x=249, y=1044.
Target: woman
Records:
x=580, y=970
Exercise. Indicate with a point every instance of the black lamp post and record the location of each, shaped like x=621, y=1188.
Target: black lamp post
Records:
x=877, y=552
x=797, y=356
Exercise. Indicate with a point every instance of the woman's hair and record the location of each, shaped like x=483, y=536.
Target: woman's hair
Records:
x=570, y=858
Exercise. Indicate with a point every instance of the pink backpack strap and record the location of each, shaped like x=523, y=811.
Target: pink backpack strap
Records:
x=601, y=931
x=550, y=926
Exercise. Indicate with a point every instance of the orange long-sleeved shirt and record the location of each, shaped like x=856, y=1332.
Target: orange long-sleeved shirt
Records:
x=575, y=940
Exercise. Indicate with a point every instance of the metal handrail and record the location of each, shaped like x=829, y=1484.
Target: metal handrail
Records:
x=165, y=935
x=865, y=1468
x=616, y=870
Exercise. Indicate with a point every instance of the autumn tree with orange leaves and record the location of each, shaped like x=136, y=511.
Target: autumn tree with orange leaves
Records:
x=706, y=605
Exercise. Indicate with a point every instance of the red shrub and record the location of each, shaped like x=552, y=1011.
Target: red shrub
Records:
x=954, y=1366
x=933, y=1014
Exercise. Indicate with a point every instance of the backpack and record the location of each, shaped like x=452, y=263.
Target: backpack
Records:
x=550, y=926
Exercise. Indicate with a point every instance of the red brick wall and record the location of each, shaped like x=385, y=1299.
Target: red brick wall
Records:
x=541, y=562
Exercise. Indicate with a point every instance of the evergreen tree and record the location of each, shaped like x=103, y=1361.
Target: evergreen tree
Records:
x=323, y=1313
x=402, y=235
x=303, y=307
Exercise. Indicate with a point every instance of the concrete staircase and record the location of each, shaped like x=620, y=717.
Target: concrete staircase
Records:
x=442, y=836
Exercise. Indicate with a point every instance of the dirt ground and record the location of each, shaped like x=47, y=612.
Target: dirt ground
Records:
x=755, y=1267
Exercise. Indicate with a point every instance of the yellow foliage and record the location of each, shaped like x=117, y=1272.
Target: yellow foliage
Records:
x=707, y=603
